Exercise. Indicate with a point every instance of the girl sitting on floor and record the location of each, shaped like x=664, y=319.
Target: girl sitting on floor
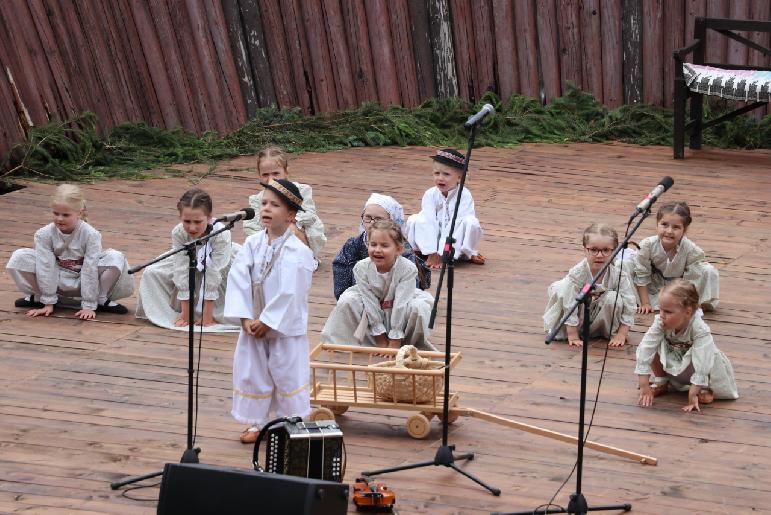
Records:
x=68, y=264
x=599, y=241
x=164, y=291
x=679, y=351
x=378, y=207
x=273, y=163
x=669, y=255
x=383, y=307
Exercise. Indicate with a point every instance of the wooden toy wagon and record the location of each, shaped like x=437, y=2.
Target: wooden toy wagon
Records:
x=344, y=376
x=363, y=379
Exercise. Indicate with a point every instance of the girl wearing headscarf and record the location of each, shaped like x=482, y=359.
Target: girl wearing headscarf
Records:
x=378, y=207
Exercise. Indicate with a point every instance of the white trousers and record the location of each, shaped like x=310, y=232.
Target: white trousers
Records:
x=270, y=375
x=425, y=236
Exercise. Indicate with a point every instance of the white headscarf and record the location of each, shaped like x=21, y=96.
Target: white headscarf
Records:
x=390, y=204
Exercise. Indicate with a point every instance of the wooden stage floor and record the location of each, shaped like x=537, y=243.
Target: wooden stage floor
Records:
x=86, y=403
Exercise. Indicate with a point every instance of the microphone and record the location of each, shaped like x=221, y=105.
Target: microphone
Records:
x=474, y=119
x=663, y=185
x=246, y=213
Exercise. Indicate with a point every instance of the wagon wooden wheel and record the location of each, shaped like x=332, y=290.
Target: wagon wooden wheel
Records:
x=321, y=414
x=418, y=426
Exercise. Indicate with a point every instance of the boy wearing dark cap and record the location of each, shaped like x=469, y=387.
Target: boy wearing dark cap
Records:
x=268, y=288
x=427, y=231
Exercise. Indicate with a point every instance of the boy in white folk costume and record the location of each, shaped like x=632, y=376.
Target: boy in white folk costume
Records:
x=68, y=266
x=267, y=290
x=384, y=307
x=427, y=231
x=273, y=163
x=164, y=291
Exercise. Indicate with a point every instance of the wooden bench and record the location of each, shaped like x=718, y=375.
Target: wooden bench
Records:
x=689, y=74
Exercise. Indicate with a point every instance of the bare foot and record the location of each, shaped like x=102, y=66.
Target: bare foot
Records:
x=617, y=342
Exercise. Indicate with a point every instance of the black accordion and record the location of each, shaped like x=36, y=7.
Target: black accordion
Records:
x=305, y=449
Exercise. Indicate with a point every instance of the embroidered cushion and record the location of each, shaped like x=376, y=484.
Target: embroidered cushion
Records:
x=744, y=85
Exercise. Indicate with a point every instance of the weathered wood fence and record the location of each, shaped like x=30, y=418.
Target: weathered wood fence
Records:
x=209, y=64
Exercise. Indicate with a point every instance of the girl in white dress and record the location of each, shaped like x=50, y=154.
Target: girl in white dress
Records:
x=164, y=290
x=670, y=255
x=384, y=308
x=599, y=241
x=68, y=264
x=427, y=231
x=268, y=290
x=679, y=351
x=273, y=163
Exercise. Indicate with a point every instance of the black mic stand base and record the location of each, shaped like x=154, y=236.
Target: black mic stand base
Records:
x=445, y=457
x=576, y=505
x=189, y=456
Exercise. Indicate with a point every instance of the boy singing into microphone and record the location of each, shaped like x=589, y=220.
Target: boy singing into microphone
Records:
x=268, y=290
x=427, y=231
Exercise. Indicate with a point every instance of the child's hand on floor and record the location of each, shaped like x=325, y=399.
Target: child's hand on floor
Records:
x=617, y=341
x=86, y=314
x=434, y=261
x=646, y=397
x=44, y=311
x=645, y=309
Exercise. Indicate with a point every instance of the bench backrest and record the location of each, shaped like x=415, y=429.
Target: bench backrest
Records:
x=728, y=29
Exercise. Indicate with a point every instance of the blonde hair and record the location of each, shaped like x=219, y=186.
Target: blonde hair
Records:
x=72, y=196
x=276, y=154
x=393, y=230
x=602, y=230
x=684, y=292
x=680, y=209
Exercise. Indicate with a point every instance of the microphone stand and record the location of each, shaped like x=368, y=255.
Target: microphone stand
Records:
x=445, y=454
x=577, y=503
x=190, y=455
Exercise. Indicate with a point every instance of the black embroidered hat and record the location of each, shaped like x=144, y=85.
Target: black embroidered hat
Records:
x=450, y=157
x=287, y=190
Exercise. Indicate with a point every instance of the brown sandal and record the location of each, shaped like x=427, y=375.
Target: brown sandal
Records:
x=659, y=388
x=479, y=259
x=249, y=435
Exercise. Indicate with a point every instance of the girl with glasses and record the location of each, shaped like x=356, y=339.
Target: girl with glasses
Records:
x=613, y=299
x=377, y=208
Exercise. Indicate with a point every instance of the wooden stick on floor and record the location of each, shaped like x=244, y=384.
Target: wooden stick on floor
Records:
x=495, y=419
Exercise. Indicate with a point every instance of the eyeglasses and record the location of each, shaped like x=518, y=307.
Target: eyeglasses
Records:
x=598, y=252
x=369, y=219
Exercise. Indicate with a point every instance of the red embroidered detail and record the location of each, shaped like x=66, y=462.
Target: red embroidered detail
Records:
x=70, y=264
x=386, y=304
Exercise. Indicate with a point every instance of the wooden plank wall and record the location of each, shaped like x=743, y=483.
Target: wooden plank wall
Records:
x=210, y=65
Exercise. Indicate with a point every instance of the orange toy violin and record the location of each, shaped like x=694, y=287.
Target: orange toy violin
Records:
x=371, y=496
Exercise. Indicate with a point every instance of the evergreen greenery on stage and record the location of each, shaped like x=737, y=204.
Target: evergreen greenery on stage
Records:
x=75, y=151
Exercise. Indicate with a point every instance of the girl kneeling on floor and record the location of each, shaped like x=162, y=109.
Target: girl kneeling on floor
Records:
x=679, y=351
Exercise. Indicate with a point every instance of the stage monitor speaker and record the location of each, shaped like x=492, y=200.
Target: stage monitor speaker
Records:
x=192, y=489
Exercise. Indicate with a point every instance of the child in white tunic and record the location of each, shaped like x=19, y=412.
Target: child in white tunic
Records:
x=68, y=264
x=613, y=300
x=384, y=307
x=164, y=291
x=427, y=231
x=679, y=351
x=669, y=255
x=268, y=289
x=273, y=163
